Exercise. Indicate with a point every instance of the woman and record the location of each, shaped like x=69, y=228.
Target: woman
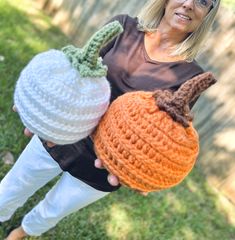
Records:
x=156, y=50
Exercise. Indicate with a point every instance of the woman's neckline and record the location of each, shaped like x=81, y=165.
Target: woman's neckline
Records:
x=147, y=57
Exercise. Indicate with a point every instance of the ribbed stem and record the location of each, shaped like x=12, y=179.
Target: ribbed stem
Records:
x=97, y=41
x=177, y=104
x=86, y=60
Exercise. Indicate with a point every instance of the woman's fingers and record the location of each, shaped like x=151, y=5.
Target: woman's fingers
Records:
x=27, y=132
x=113, y=180
x=99, y=164
x=14, y=108
x=50, y=144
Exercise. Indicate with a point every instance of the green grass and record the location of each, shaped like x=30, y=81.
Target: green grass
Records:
x=190, y=211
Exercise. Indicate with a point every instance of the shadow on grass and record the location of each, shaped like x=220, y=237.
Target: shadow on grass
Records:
x=187, y=212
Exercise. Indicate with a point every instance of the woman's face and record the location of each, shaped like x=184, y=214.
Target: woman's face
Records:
x=184, y=15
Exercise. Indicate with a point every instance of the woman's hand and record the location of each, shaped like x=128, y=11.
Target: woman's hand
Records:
x=30, y=134
x=112, y=179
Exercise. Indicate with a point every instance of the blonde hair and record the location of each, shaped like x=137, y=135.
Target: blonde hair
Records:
x=151, y=15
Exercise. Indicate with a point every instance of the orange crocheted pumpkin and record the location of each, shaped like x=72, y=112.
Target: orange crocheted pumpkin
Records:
x=151, y=147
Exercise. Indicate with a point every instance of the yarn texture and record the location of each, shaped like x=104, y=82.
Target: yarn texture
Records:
x=61, y=95
x=151, y=147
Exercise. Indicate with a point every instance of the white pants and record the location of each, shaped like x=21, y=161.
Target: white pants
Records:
x=32, y=170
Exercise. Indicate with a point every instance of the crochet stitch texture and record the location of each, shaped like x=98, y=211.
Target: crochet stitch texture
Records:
x=151, y=147
x=61, y=95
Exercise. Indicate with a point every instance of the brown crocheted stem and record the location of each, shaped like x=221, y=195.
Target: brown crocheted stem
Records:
x=176, y=104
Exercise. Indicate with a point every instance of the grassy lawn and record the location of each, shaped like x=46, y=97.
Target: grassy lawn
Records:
x=191, y=211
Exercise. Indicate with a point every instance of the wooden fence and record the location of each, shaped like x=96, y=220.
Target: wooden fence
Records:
x=215, y=111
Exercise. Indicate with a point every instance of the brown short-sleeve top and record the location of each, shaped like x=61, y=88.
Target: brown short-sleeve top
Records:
x=129, y=69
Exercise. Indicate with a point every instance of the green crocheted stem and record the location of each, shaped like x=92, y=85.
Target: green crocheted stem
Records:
x=87, y=60
x=99, y=40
